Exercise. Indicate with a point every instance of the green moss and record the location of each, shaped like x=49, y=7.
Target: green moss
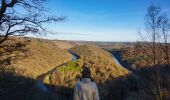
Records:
x=71, y=66
x=46, y=79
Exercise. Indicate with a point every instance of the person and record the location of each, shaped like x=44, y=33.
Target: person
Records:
x=86, y=89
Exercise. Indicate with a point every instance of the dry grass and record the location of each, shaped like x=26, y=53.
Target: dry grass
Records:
x=39, y=56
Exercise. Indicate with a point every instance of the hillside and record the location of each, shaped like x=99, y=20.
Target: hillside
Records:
x=33, y=56
x=63, y=44
x=21, y=61
x=100, y=61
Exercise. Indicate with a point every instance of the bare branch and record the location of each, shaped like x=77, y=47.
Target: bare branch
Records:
x=31, y=21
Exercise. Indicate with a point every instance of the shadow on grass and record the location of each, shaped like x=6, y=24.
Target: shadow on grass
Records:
x=14, y=87
x=42, y=76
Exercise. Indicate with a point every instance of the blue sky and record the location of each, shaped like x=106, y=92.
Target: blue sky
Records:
x=100, y=20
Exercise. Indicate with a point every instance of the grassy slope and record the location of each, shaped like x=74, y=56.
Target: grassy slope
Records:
x=40, y=56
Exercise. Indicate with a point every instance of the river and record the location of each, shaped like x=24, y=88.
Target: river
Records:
x=74, y=57
x=118, y=59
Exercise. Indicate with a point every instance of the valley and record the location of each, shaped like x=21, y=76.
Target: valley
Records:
x=84, y=50
x=55, y=69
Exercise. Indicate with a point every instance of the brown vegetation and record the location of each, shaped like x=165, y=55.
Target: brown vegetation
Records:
x=101, y=62
x=34, y=56
x=141, y=54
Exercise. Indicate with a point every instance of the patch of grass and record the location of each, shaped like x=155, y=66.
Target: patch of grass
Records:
x=46, y=79
x=71, y=66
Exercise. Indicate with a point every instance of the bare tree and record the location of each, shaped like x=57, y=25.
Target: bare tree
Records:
x=164, y=25
x=153, y=38
x=152, y=26
x=21, y=17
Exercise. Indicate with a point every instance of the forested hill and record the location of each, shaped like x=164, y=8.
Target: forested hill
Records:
x=32, y=56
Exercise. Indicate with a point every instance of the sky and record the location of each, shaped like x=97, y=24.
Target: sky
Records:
x=100, y=20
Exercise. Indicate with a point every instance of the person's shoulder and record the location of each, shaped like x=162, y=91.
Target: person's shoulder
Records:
x=77, y=83
x=93, y=83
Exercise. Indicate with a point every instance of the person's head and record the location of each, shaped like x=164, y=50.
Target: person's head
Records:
x=86, y=73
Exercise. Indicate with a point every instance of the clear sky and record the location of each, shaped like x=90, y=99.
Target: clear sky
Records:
x=100, y=20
